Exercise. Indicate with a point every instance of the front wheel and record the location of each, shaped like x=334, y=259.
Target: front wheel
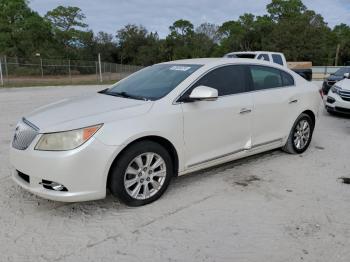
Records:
x=141, y=174
x=300, y=136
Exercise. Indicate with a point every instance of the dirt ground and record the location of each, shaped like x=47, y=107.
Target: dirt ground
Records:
x=270, y=207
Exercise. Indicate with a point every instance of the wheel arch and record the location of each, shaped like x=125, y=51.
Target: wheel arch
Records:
x=154, y=138
x=311, y=115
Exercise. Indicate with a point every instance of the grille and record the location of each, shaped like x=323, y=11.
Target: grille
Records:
x=342, y=110
x=345, y=95
x=24, y=134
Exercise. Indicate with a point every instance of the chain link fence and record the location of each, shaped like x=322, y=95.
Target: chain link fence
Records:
x=16, y=71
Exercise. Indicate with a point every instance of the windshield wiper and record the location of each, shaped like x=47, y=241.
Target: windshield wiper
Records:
x=122, y=94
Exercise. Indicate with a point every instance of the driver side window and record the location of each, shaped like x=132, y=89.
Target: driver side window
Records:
x=228, y=80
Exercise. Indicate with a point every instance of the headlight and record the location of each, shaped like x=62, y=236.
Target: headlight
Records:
x=67, y=140
x=335, y=89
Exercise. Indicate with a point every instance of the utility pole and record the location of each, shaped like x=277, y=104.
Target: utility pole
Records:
x=99, y=65
x=1, y=77
x=337, y=55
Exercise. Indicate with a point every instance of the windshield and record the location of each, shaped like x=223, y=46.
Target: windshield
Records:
x=153, y=82
x=342, y=71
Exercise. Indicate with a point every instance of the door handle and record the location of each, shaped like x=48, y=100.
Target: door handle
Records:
x=245, y=111
x=293, y=101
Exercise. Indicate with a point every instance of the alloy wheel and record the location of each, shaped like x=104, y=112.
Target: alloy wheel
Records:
x=302, y=134
x=145, y=175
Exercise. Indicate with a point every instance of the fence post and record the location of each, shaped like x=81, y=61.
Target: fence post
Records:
x=6, y=70
x=110, y=71
x=41, y=68
x=99, y=65
x=1, y=77
x=69, y=72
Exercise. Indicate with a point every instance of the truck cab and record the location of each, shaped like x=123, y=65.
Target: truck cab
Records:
x=273, y=57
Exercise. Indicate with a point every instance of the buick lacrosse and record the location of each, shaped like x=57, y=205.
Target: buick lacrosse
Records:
x=166, y=120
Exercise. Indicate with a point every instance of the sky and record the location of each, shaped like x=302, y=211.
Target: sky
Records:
x=158, y=15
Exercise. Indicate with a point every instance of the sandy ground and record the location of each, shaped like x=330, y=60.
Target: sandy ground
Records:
x=270, y=207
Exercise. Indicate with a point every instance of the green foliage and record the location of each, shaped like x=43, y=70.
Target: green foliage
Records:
x=288, y=26
x=22, y=31
x=342, y=34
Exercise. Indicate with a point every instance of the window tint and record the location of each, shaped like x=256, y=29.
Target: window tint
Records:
x=227, y=80
x=264, y=57
x=277, y=59
x=265, y=77
x=287, y=79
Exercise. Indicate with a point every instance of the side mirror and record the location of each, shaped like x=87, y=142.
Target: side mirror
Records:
x=204, y=93
x=347, y=75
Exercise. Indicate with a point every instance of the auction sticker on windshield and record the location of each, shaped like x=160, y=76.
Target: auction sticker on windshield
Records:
x=180, y=68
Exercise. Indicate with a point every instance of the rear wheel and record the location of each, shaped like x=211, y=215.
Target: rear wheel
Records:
x=142, y=173
x=300, y=136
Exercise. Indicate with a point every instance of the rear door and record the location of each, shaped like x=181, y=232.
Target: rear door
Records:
x=217, y=129
x=275, y=99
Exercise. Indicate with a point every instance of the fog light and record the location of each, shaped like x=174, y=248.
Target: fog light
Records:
x=330, y=100
x=53, y=185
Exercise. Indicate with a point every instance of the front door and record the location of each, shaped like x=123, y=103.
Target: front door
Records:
x=216, y=129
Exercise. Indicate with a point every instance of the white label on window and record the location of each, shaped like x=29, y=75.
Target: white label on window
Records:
x=180, y=68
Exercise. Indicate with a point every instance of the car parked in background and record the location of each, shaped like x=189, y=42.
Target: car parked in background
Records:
x=273, y=57
x=338, y=99
x=166, y=120
x=334, y=78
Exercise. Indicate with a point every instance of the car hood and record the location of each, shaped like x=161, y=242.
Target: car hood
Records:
x=344, y=84
x=335, y=78
x=80, y=112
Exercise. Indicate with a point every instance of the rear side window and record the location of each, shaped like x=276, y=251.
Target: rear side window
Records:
x=287, y=79
x=277, y=59
x=265, y=77
x=264, y=57
x=227, y=80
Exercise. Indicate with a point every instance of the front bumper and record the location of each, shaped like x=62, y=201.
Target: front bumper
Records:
x=334, y=103
x=83, y=171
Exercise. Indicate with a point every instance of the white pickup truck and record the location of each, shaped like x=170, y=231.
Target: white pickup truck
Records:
x=273, y=57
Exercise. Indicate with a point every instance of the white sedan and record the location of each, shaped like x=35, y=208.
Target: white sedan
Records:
x=338, y=98
x=166, y=120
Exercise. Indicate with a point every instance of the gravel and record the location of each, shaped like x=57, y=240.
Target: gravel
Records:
x=269, y=207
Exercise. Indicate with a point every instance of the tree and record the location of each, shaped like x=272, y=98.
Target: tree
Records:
x=299, y=33
x=279, y=9
x=66, y=18
x=342, y=34
x=180, y=38
x=106, y=46
x=69, y=29
x=137, y=46
x=210, y=30
x=181, y=28
x=22, y=31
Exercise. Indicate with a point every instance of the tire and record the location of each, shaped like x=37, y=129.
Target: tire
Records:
x=292, y=146
x=134, y=181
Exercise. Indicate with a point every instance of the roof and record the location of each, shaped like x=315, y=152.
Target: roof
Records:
x=222, y=60
x=254, y=52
